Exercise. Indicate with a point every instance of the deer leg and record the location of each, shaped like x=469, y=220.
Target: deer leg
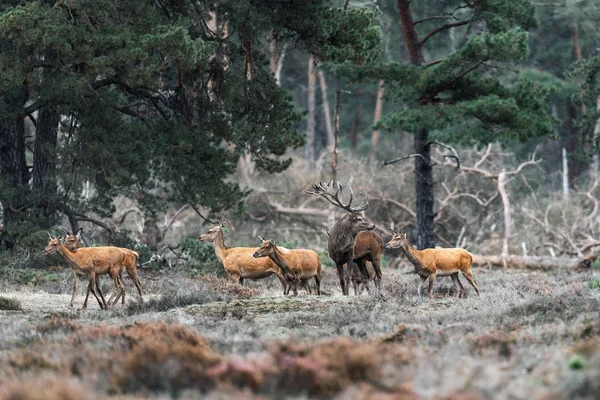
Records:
x=318, y=284
x=75, y=283
x=342, y=275
x=118, y=281
x=377, y=268
x=92, y=286
x=431, y=280
x=241, y=281
x=361, y=264
x=134, y=277
x=423, y=279
x=469, y=276
x=459, y=287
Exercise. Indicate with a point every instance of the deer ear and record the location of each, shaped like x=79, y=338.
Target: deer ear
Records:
x=272, y=240
x=49, y=235
x=79, y=233
x=222, y=221
x=261, y=238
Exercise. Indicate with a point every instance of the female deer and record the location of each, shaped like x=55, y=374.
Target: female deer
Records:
x=430, y=263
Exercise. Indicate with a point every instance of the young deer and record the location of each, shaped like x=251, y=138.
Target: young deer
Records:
x=89, y=263
x=74, y=242
x=342, y=236
x=298, y=265
x=238, y=261
x=430, y=263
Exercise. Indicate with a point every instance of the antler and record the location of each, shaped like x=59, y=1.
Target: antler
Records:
x=331, y=192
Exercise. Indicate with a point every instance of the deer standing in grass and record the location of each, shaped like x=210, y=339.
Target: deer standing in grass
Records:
x=91, y=263
x=297, y=265
x=368, y=246
x=342, y=236
x=430, y=263
x=238, y=261
x=130, y=263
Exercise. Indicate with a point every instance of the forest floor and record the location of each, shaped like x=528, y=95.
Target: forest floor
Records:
x=529, y=335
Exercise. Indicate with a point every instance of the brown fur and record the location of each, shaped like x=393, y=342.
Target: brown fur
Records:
x=368, y=247
x=430, y=263
x=130, y=263
x=91, y=262
x=238, y=261
x=296, y=265
x=341, y=245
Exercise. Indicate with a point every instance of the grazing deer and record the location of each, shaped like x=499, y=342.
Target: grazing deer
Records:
x=430, y=263
x=90, y=263
x=297, y=265
x=342, y=236
x=74, y=242
x=238, y=261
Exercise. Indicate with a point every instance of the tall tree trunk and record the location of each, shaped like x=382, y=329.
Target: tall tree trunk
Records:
x=423, y=169
x=596, y=146
x=309, y=153
x=378, y=111
x=44, y=158
x=424, y=189
x=356, y=125
x=14, y=174
x=326, y=111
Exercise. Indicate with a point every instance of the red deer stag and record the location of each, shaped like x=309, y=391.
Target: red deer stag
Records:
x=297, y=265
x=89, y=262
x=342, y=236
x=430, y=263
x=238, y=261
x=74, y=242
x=368, y=247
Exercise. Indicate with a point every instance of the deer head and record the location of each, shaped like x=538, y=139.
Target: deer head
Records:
x=398, y=239
x=266, y=249
x=53, y=245
x=211, y=234
x=72, y=242
x=332, y=192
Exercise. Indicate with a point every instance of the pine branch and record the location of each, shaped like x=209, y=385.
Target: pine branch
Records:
x=443, y=28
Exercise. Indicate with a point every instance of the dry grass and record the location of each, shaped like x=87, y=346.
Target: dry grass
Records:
x=515, y=341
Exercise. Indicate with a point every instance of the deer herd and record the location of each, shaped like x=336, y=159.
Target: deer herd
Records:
x=352, y=244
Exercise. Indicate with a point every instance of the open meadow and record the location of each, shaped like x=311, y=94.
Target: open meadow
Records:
x=529, y=335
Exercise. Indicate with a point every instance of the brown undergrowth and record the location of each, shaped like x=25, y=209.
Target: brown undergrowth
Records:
x=150, y=358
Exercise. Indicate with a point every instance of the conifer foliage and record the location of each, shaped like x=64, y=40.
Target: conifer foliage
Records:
x=149, y=99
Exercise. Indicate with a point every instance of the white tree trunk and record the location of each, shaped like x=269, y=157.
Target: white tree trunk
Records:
x=326, y=110
x=309, y=153
x=506, y=204
x=565, y=174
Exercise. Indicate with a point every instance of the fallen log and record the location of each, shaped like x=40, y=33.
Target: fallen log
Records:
x=535, y=262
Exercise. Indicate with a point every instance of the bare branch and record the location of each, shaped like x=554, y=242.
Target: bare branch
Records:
x=452, y=149
x=387, y=162
x=443, y=28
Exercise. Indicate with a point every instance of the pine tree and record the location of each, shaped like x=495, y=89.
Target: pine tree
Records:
x=143, y=100
x=456, y=90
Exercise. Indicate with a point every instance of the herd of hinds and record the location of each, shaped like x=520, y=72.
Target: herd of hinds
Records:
x=351, y=243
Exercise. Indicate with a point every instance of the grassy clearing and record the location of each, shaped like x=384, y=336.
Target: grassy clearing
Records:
x=529, y=335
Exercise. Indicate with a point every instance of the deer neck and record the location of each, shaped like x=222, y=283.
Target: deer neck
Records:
x=413, y=255
x=219, y=245
x=277, y=258
x=69, y=256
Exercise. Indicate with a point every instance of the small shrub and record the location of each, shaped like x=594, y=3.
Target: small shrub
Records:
x=576, y=362
x=45, y=387
x=596, y=264
x=202, y=257
x=9, y=304
x=595, y=283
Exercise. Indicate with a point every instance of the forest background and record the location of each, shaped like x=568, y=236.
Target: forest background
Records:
x=141, y=121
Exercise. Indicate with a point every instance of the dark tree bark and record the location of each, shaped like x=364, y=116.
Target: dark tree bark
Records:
x=423, y=170
x=14, y=174
x=44, y=153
